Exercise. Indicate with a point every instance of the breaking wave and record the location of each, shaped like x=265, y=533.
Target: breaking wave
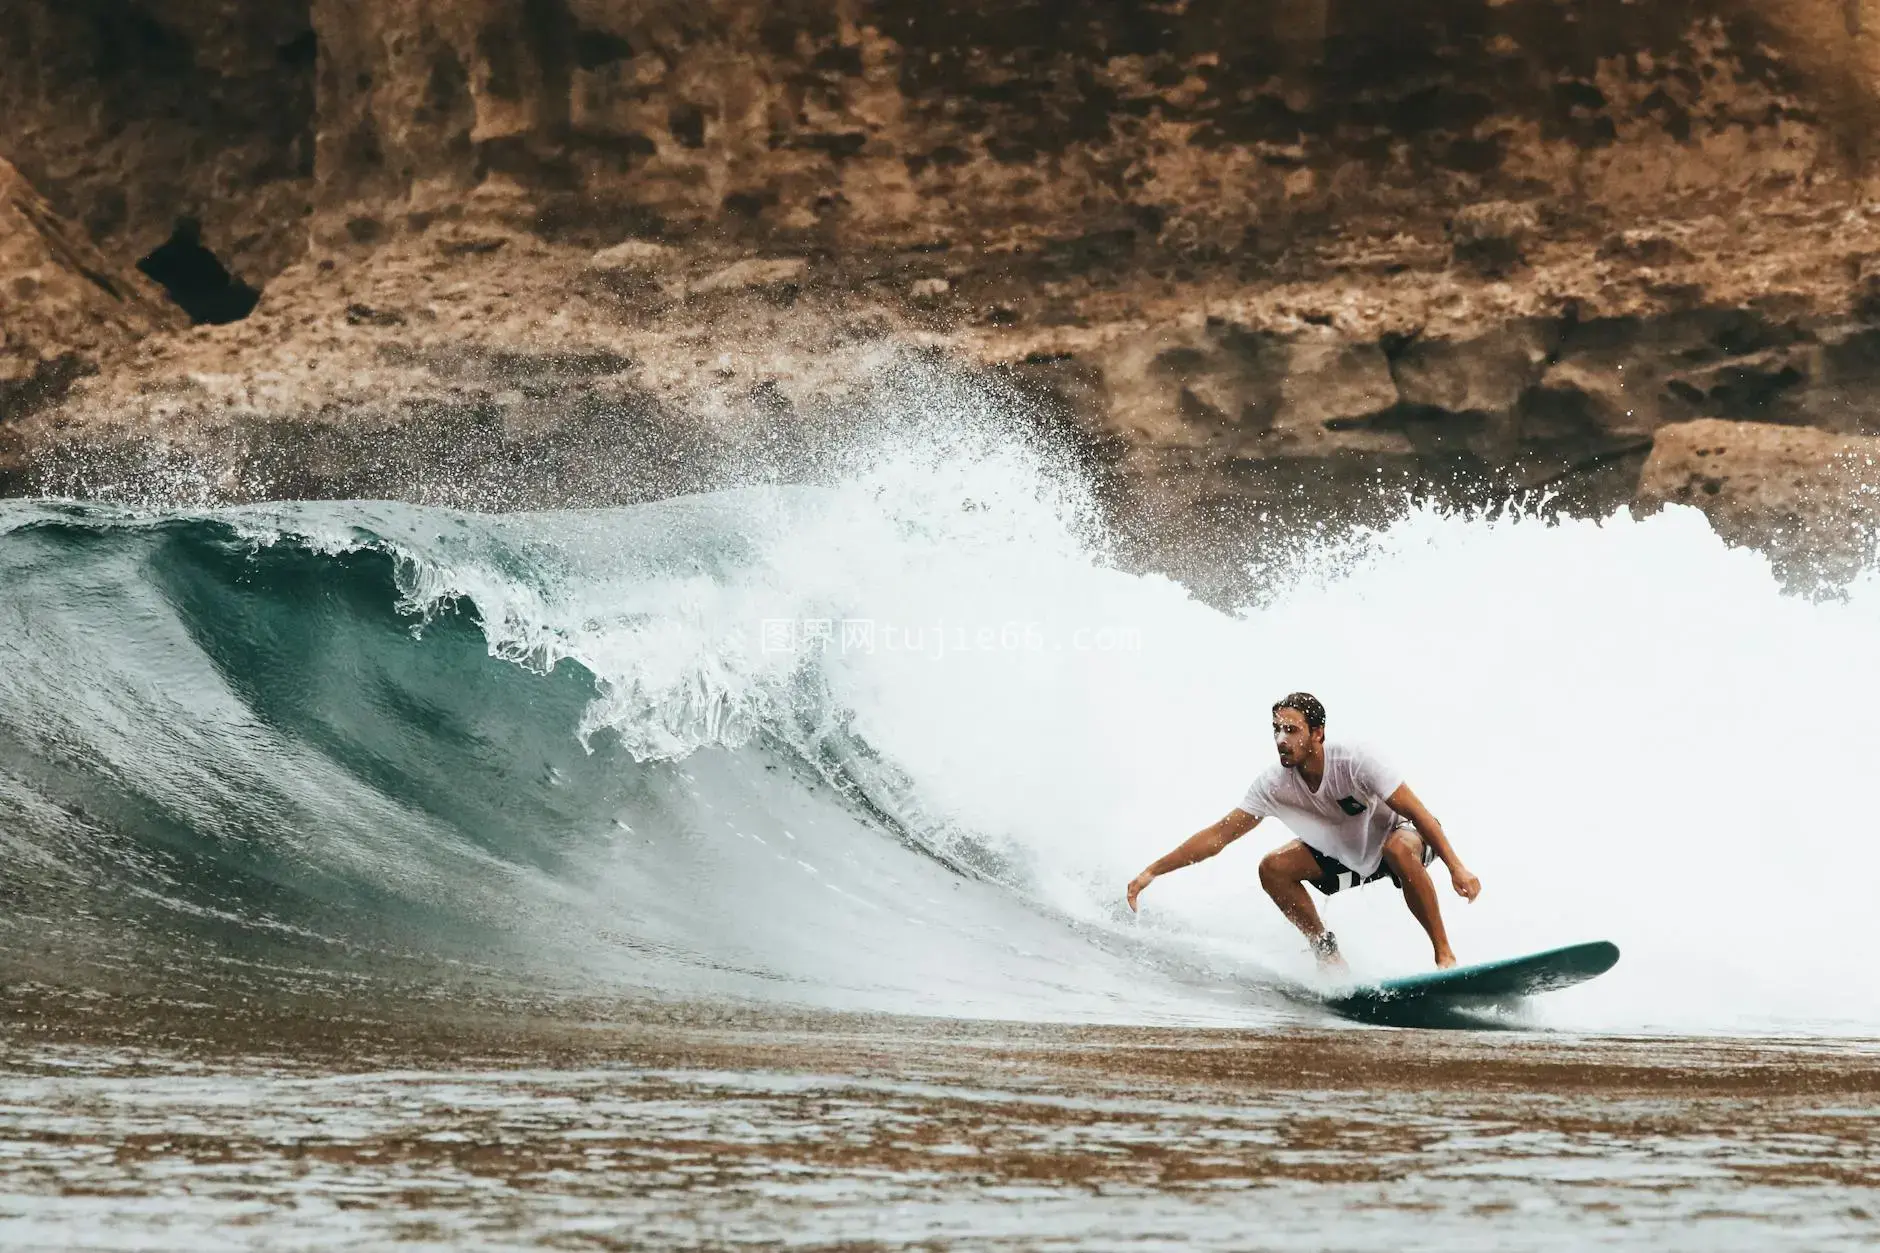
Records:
x=898, y=740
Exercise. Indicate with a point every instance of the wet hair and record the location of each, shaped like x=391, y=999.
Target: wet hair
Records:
x=1306, y=705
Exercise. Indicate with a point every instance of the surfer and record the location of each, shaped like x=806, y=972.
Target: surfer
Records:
x=1357, y=820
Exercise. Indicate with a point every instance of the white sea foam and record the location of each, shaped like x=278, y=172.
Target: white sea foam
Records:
x=1628, y=728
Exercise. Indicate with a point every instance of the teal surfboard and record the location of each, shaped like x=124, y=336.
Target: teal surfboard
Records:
x=1448, y=997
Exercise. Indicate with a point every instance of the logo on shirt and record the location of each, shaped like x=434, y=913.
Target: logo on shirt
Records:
x=1352, y=805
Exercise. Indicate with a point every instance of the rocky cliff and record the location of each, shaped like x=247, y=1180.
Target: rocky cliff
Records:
x=63, y=306
x=1244, y=258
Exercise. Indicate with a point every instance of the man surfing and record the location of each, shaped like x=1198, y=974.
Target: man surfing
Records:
x=1357, y=820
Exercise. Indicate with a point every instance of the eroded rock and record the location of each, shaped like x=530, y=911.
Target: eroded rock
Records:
x=63, y=306
x=636, y=255
x=130, y=117
x=1333, y=385
x=1811, y=499
x=752, y=274
x=1488, y=375
x=1493, y=237
x=1257, y=256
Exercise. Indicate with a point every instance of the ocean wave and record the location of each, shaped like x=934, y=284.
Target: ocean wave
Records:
x=896, y=741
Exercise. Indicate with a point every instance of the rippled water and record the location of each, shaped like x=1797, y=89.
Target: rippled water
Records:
x=846, y=1133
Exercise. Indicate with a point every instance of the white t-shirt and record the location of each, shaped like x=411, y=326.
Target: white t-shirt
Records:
x=1346, y=818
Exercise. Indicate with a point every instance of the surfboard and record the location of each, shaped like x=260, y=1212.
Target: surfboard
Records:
x=1447, y=997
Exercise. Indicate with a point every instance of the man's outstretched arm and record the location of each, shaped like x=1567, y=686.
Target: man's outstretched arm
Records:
x=1405, y=802
x=1200, y=846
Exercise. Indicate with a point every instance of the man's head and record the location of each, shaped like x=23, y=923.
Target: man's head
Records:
x=1298, y=728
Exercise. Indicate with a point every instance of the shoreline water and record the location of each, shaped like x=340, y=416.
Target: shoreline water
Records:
x=141, y=1124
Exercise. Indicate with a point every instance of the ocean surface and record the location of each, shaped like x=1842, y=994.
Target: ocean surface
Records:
x=888, y=744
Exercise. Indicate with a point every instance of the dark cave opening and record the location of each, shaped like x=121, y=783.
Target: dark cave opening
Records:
x=196, y=279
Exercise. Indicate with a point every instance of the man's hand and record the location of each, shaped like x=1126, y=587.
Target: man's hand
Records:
x=1200, y=846
x=1405, y=802
x=1136, y=885
x=1467, y=886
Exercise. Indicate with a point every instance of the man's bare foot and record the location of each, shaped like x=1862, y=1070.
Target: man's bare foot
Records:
x=1325, y=948
x=1445, y=960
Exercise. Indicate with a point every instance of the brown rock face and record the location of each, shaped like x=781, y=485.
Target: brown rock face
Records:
x=1808, y=498
x=1296, y=258
x=1209, y=127
x=63, y=305
x=131, y=114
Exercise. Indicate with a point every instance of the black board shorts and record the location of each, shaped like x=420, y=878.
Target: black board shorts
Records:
x=1336, y=876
